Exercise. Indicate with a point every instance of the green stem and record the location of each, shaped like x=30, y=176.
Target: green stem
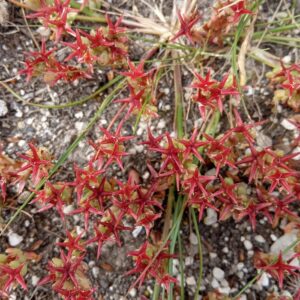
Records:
x=156, y=291
x=66, y=105
x=173, y=239
x=259, y=34
x=181, y=268
x=178, y=98
x=199, y=281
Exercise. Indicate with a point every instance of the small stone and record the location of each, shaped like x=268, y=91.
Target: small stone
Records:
x=67, y=209
x=212, y=255
x=250, y=91
x=225, y=250
x=140, y=131
x=79, y=126
x=29, y=121
x=211, y=218
x=161, y=124
x=79, y=115
x=240, y=266
x=283, y=242
x=136, y=231
x=218, y=273
x=14, y=239
x=296, y=150
x=273, y=237
x=240, y=274
x=133, y=293
x=224, y=283
x=139, y=148
x=287, y=124
x=260, y=239
x=193, y=239
x=19, y=114
x=34, y=280
x=189, y=261
x=27, y=223
x=95, y=272
x=43, y=31
x=287, y=59
x=3, y=108
x=92, y=263
x=248, y=245
x=225, y=290
x=146, y=175
x=214, y=283
x=263, y=281
x=263, y=141
x=191, y=280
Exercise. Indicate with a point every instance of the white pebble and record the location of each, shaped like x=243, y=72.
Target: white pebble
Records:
x=79, y=115
x=225, y=250
x=214, y=283
x=225, y=290
x=35, y=280
x=211, y=218
x=260, y=239
x=273, y=237
x=193, y=239
x=218, y=273
x=140, y=131
x=146, y=175
x=189, y=261
x=161, y=124
x=79, y=125
x=14, y=239
x=191, y=280
x=139, y=148
x=263, y=281
x=287, y=124
x=95, y=272
x=67, y=209
x=283, y=242
x=137, y=231
x=224, y=283
x=287, y=59
x=132, y=293
x=3, y=108
x=297, y=150
x=248, y=245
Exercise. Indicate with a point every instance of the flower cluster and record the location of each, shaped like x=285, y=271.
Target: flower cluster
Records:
x=13, y=268
x=105, y=46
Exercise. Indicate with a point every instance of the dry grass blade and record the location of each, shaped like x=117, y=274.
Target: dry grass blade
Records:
x=241, y=61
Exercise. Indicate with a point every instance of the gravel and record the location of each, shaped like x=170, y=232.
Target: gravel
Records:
x=218, y=273
x=3, y=109
x=14, y=239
